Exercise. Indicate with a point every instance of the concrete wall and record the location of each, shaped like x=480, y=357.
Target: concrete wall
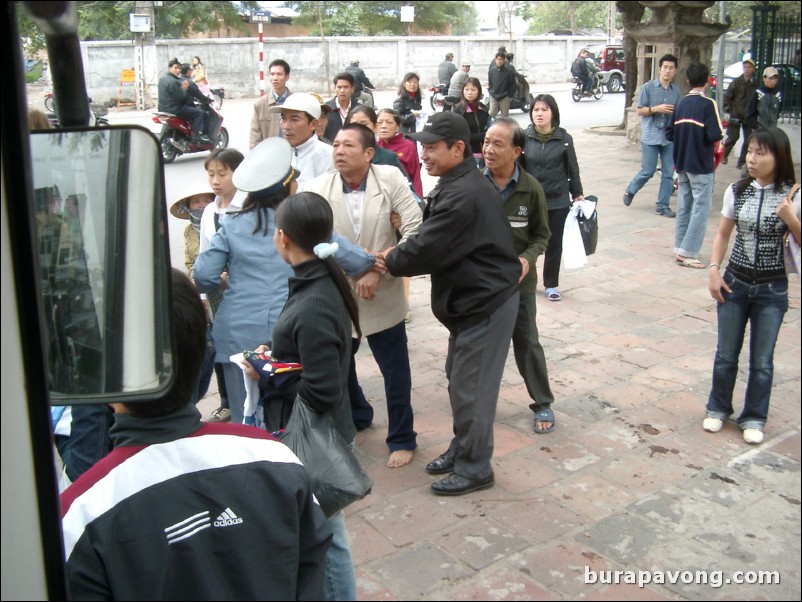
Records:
x=233, y=62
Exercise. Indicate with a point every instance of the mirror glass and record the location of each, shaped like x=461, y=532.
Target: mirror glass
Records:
x=103, y=262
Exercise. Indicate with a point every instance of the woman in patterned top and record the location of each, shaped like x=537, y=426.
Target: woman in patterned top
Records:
x=761, y=208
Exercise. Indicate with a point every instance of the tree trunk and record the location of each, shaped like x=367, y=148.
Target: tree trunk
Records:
x=572, y=17
x=631, y=15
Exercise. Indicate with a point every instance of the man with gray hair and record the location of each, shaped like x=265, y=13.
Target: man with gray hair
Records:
x=524, y=202
x=458, y=81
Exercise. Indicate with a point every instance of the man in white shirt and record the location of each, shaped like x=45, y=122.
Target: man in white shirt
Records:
x=299, y=120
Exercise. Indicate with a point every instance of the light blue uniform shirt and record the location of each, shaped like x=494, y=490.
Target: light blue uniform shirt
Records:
x=654, y=126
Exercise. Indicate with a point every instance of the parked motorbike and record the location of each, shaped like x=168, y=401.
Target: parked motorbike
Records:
x=437, y=96
x=219, y=94
x=50, y=103
x=177, y=137
x=439, y=100
x=99, y=112
x=597, y=92
x=524, y=99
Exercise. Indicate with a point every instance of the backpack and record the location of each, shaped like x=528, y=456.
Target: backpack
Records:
x=576, y=70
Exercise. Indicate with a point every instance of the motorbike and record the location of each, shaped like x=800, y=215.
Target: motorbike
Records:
x=177, y=138
x=219, y=94
x=438, y=98
x=99, y=112
x=524, y=99
x=597, y=91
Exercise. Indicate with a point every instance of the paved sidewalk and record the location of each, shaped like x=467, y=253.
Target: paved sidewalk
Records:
x=628, y=481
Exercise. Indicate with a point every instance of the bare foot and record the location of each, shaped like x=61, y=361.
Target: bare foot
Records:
x=399, y=458
x=543, y=426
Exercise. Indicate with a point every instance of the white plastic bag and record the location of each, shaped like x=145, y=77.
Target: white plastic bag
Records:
x=573, y=247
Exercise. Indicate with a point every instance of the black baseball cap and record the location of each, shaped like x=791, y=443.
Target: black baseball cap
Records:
x=443, y=126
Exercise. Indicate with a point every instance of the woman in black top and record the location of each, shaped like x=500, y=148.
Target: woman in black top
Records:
x=409, y=102
x=476, y=115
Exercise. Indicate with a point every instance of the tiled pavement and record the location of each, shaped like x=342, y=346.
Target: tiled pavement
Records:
x=628, y=481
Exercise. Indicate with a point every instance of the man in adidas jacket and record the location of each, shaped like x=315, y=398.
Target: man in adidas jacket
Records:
x=187, y=510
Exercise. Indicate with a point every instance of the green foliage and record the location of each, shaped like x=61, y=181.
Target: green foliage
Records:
x=32, y=38
x=109, y=20
x=383, y=18
x=740, y=13
x=545, y=16
x=35, y=74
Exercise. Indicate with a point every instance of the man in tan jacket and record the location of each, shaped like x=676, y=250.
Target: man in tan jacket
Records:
x=265, y=124
x=362, y=197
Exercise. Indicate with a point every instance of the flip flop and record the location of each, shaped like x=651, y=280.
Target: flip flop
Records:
x=544, y=415
x=690, y=262
x=553, y=294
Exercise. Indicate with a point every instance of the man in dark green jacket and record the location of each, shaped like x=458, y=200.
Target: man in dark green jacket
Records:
x=524, y=203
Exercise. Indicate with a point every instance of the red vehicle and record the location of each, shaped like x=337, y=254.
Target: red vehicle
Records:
x=177, y=138
x=610, y=59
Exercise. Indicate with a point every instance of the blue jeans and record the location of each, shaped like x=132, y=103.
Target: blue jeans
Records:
x=695, y=196
x=763, y=305
x=89, y=439
x=339, y=577
x=648, y=165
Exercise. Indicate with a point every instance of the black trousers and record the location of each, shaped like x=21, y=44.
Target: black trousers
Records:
x=554, y=250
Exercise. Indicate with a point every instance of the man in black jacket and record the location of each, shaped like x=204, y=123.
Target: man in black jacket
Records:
x=735, y=99
x=173, y=97
x=581, y=71
x=195, y=96
x=361, y=82
x=502, y=85
x=466, y=244
x=179, y=502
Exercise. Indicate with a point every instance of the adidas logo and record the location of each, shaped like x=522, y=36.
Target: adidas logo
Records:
x=227, y=519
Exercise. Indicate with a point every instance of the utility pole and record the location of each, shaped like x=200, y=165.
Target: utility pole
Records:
x=145, y=56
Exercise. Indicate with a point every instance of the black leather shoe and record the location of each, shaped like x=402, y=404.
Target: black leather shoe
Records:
x=443, y=464
x=454, y=484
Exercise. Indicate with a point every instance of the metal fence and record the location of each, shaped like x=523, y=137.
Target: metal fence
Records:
x=776, y=41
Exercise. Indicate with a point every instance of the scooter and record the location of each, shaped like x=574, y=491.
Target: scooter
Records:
x=177, y=138
x=99, y=112
x=437, y=96
x=597, y=91
x=524, y=99
x=219, y=94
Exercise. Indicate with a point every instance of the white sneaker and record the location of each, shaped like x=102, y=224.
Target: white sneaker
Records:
x=753, y=436
x=712, y=425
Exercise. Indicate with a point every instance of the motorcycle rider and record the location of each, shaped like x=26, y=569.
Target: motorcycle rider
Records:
x=445, y=70
x=360, y=81
x=195, y=96
x=580, y=69
x=458, y=82
x=173, y=92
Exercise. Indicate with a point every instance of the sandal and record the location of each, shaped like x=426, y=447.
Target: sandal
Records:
x=690, y=262
x=544, y=415
x=553, y=294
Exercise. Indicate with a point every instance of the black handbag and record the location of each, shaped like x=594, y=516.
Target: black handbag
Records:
x=589, y=227
x=337, y=477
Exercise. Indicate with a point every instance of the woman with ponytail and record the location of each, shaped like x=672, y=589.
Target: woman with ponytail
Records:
x=314, y=329
x=257, y=275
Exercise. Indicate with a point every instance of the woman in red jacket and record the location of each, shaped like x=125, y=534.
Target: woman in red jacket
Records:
x=388, y=127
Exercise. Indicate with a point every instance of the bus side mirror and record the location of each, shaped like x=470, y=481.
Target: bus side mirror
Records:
x=104, y=264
